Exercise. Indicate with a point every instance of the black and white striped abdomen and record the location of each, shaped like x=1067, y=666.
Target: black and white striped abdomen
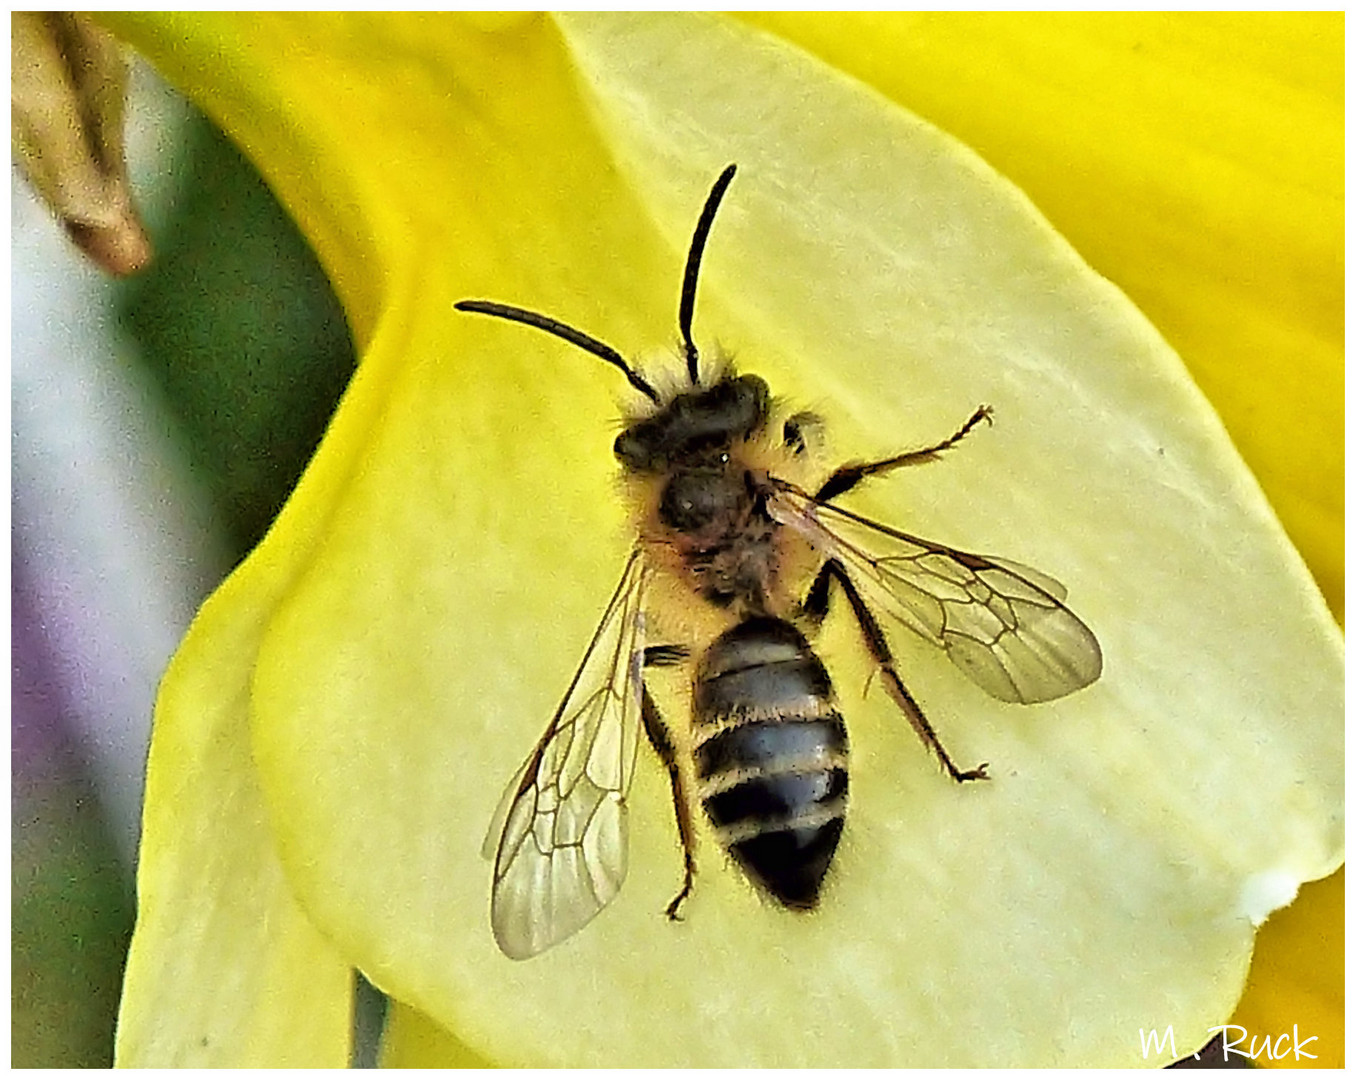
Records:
x=771, y=756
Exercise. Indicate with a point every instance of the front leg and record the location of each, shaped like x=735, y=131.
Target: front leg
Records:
x=848, y=477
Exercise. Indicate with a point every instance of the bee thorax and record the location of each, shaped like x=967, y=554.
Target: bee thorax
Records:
x=702, y=500
x=713, y=518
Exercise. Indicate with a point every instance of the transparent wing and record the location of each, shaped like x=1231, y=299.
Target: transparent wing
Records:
x=1002, y=624
x=561, y=826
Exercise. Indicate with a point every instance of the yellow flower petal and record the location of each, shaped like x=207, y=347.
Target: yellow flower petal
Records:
x=224, y=967
x=1194, y=159
x=1297, y=980
x=446, y=557
x=412, y=1041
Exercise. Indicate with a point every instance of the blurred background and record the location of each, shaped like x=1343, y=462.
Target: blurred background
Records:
x=157, y=424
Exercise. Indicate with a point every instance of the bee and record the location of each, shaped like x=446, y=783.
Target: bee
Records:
x=768, y=743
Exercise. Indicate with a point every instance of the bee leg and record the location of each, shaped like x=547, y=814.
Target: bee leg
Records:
x=849, y=476
x=880, y=652
x=666, y=655
x=663, y=746
x=800, y=430
x=816, y=603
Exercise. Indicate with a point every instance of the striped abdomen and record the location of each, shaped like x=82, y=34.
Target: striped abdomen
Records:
x=771, y=756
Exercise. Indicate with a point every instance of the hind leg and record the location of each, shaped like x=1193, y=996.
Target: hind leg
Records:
x=657, y=733
x=816, y=606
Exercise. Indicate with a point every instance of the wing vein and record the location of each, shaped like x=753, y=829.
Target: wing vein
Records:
x=569, y=797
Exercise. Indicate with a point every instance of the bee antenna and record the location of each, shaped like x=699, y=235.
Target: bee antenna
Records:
x=569, y=333
x=688, y=300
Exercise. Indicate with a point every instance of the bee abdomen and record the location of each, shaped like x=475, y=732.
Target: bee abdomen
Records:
x=771, y=756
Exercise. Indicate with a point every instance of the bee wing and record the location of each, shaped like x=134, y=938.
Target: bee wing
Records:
x=1003, y=625
x=561, y=826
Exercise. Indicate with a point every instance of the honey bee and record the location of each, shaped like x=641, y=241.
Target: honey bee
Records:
x=769, y=746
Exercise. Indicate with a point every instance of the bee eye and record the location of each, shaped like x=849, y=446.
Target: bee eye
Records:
x=634, y=452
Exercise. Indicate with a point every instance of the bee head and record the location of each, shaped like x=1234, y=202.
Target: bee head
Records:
x=695, y=420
